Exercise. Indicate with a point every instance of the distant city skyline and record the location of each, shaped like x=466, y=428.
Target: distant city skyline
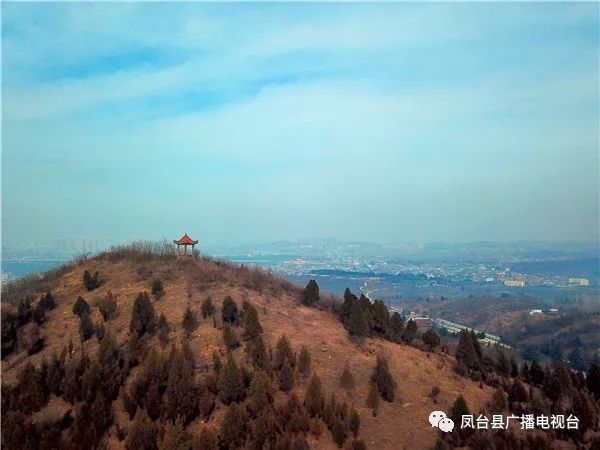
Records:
x=259, y=122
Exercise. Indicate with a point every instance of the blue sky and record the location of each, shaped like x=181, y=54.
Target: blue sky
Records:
x=244, y=122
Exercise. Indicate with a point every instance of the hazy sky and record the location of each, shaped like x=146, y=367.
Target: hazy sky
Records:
x=258, y=122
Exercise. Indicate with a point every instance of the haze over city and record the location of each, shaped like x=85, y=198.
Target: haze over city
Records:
x=254, y=123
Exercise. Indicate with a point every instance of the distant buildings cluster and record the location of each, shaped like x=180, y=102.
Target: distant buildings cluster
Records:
x=578, y=281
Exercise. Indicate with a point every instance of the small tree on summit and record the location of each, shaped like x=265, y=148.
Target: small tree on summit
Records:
x=310, y=295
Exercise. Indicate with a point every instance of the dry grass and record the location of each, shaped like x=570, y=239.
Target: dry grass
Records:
x=401, y=424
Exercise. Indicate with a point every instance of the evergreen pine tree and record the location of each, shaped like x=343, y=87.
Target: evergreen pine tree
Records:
x=252, y=327
x=163, y=330
x=86, y=327
x=465, y=351
x=410, y=332
x=347, y=380
x=229, y=337
x=81, y=307
x=108, y=307
x=142, y=433
x=233, y=428
x=357, y=322
x=431, y=339
x=143, y=319
x=338, y=432
x=593, y=380
x=229, y=311
x=310, y=295
x=304, y=362
x=48, y=301
x=189, y=321
x=258, y=354
x=175, y=437
x=396, y=325
x=381, y=317
x=346, y=307
x=260, y=393
x=354, y=422
x=383, y=379
x=208, y=309
x=283, y=352
x=231, y=386
x=179, y=398
x=459, y=409
x=373, y=399
x=313, y=398
x=286, y=377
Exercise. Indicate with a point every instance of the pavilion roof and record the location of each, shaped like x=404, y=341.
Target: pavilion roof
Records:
x=185, y=240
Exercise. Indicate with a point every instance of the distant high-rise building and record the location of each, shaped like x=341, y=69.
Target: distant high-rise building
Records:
x=579, y=281
x=514, y=283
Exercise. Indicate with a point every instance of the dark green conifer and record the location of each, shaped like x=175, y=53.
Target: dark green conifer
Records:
x=229, y=311
x=304, y=362
x=231, y=385
x=310, y=295
x=383, y=379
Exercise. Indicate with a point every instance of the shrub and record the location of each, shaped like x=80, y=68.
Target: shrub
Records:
x=157, y=289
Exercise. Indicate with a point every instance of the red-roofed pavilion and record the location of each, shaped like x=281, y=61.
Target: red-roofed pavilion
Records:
x=185, y=241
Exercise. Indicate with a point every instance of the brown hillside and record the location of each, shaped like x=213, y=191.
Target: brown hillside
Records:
x=401, y=424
